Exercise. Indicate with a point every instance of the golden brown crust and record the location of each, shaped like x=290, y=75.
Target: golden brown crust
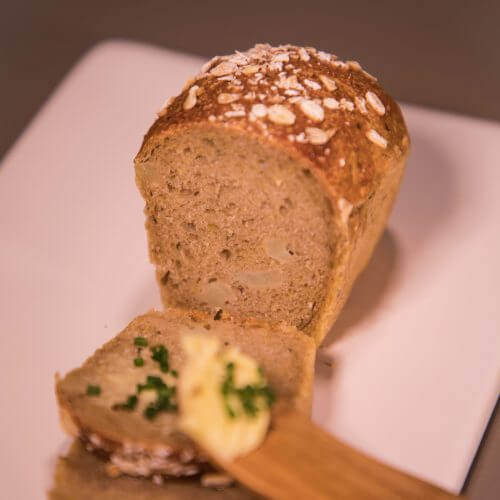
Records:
x=332, y=113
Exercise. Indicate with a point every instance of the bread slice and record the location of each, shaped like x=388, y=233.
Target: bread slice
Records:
x=82, y=476
x=268, y=181
x=140, y=446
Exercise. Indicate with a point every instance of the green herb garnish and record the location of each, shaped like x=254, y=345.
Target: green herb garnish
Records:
x=128, y=405
x=152, y=383
x=163, y=403
x=141, y=341
x=247, y=395
x=228, y=383
x=174, y=373
x=93, y=390
x=159, y=353
x=164, y=396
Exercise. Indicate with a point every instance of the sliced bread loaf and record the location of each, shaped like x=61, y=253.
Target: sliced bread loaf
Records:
x=268, y=181
x=103, y=404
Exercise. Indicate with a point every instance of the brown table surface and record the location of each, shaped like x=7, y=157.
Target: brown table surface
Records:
x=442, y=54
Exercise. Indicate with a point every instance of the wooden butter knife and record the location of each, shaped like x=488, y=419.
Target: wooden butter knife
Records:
x=299, y=460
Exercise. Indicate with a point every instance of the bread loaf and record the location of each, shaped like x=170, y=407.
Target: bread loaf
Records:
x=144, y=447
x=268, y=181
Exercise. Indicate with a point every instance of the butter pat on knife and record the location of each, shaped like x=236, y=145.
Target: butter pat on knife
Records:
x=224, y=398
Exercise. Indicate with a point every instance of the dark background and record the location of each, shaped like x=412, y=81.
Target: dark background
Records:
x=443, y=54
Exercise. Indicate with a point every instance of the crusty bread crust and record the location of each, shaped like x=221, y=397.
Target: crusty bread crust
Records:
x=330, y=114
x=354, y=164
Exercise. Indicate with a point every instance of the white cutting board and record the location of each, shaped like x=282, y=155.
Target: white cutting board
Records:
x=416, y=353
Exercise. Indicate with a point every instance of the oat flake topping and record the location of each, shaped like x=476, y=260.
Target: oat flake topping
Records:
x=375, y=102
x=376, y=138
x=281, y=115
x=297, y=92
x=312, y=110
x=190, y=101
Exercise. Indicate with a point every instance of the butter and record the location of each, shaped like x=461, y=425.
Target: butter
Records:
x=216, y=421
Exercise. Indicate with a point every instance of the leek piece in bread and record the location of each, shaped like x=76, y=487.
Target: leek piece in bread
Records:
x=268, y=181
x=82, y=476
x=97, y=400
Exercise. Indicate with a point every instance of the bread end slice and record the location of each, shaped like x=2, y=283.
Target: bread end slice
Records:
x=142, y=446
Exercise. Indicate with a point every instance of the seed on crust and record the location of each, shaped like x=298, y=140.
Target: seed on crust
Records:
x=190, y=101
x=328, y=83
x=312, y=84
x=376, y=138
x=312, y=110
x=227, y=98
x=259, y=110
x=250, y=69
x=317, y=136
x=331, y=103
x=208, y=64
x=375, y=102
x=323, y=56
x=235, y=114
x=304, y=56
x=281, y=115
x=224, y=68
x=281, y=57
x=346, y=104
x=354, y=65
x=361, y=105
x=239, y=59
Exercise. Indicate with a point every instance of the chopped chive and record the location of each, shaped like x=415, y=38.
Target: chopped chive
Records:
x=93, y=390
x=152, y=383
x=162, y=404
x=141, y=341
x=139, y=362
x=128, y=405
x=247, y=395
x=150, y=412
x=174, y=373
x=164, y=395
x=159, y=353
